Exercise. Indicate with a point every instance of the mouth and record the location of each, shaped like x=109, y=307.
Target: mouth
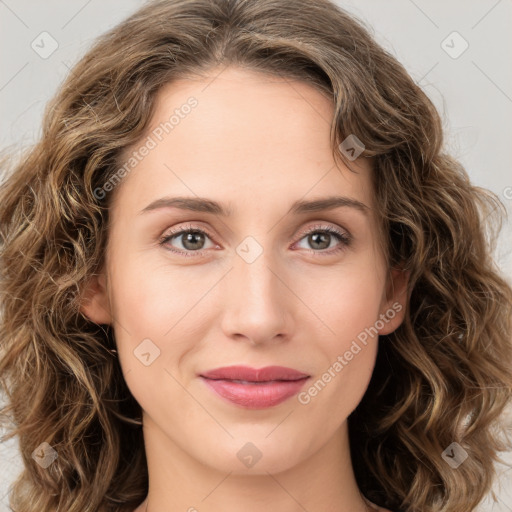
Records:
x=257, y=382
x=252, y=388
x=248, y=374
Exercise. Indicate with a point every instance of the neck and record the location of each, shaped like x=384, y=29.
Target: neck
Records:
x=324, y=480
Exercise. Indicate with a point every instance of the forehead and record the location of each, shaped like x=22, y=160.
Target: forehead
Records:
x=249, y=140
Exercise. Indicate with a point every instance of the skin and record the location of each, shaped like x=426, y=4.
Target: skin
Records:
x=255, y=143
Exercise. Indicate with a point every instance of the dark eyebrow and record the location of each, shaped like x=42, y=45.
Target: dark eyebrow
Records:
x=328, y=203
x=201, y=204
x=195, y=204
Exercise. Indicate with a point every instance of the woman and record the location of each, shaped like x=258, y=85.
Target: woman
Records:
x=160, y=270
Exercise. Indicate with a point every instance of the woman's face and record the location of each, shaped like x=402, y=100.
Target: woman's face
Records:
x=252, y=289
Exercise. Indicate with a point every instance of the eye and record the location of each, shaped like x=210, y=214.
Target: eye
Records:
x=320, y=238
x=193, y=240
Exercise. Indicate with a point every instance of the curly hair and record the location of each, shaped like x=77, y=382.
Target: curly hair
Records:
x=444, y=376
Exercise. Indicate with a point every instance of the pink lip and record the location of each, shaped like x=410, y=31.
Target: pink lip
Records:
x=265, y=387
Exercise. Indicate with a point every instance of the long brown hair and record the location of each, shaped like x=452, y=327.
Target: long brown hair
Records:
x=443, y=377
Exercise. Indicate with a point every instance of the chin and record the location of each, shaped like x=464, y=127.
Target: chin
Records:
x=257, y=457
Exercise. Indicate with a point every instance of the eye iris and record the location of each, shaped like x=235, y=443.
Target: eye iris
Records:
x=315, y=236
x=191, y=237
x=193, y=240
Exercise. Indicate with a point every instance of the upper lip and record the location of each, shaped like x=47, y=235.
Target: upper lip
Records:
x=249, y=374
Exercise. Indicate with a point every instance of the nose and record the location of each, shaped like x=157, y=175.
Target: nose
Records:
x=258, y=304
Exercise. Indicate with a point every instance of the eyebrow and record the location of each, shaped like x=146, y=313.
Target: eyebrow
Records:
x=201, y=204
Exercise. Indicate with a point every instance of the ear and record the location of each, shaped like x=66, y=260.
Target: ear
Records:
x=95, y=304
x=394, y=304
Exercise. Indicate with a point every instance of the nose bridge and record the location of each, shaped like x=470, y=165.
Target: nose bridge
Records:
x=255, y=276
x=256, y=295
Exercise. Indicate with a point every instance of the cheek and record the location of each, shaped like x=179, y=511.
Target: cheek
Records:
x=152, y=308
x=346, y=299
x=160, y=311
x=347, y=304
x=348, y=354
x=151, y=298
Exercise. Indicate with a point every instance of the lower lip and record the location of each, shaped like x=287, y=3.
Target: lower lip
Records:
x=256, y=396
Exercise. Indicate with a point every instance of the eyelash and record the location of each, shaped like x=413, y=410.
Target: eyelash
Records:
x=339, y=235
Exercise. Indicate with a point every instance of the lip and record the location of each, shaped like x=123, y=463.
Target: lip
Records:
x=267, y=373
x=259, y=389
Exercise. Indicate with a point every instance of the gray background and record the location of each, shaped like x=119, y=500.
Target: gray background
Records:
x=472, y=90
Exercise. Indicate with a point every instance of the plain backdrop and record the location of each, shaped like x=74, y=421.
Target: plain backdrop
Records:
x=458, y=51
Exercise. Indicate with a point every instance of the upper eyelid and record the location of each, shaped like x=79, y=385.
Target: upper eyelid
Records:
x=343, y=236
x=318, y=225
